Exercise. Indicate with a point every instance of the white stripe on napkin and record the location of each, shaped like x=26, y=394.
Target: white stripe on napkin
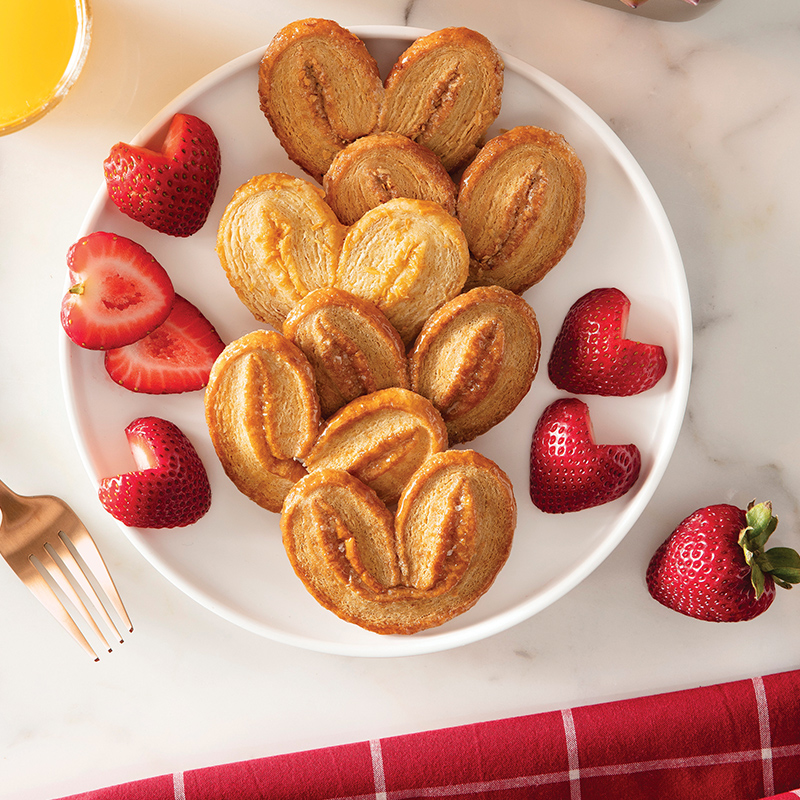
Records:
x=572, y=755
x=377, y=769
x=766, y=736
x=177, y=786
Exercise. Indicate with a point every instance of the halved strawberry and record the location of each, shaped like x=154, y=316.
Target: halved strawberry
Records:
x=170, y=486
x=170, y=190
x=592, y=356
x=118, y=293
x=176, y=357
x=569, y=472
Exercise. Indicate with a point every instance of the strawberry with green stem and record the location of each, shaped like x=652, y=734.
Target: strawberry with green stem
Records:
x=714, y=565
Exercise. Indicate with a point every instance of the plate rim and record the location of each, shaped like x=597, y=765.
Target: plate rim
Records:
x=450, y=639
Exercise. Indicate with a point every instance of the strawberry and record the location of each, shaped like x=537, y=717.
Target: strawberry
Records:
x=169, y=488
x=170, y=190
x=176, y=357
x=592, y=356
x=713, y=566
x=118, y=292
x=569, y=472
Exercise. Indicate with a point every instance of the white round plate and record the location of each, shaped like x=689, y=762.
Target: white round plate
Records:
x=232, y=561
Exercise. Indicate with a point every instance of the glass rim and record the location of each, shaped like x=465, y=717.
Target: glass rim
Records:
x=80, y=50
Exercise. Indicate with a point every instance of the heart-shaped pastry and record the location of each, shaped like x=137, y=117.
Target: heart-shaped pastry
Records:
x=320, y=89
x=444, y=92
x=408, y=257
x=476, y=358
x=381, y=439
x=350, y=345
x=521, y=205
x=382, y=166
x=450, y=537
x=277, y=241
x=262, y=414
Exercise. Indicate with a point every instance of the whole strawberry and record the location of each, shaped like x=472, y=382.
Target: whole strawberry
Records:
x=569, y=472
x=592, y=356
x=713, y=566
x=170, y=486
x=172, y=190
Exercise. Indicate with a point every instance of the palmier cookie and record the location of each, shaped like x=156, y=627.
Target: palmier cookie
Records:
x=407, y=257
x=377, y=168
x=319, y=88
x=381, y=439
x=521, y=204
x=444, y=92
x=262, y=414
x=350, y=344
x=476, y=358
x=278, y=240
x=451, y=536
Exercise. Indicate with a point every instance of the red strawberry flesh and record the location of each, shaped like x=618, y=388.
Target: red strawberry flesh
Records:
x=170, y=190
x=176, y=357
x=592, y=356
x=119, y=292
x=569, y=471
x=170, y=487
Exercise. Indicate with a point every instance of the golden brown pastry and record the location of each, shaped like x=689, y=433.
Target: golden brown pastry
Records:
x=262, y=413
x=444, y=92
x=407, y=257
x=521, y=205
x=320, y=89
x=476, y=358
x=381, y=439
x=377, y=168
x=278, y=240
x=451, y=536
x=350, y=344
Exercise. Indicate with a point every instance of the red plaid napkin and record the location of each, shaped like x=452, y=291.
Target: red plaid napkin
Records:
x=725, y=742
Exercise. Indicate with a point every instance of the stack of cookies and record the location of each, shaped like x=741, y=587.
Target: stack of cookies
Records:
x=393, y=282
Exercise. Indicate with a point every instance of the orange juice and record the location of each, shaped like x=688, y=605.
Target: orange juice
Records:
x=42, y=47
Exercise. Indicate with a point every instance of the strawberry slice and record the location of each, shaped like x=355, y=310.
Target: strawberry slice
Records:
x=592, y=356
x=170, y=190
x=169, y=488
x=176, y=357
x=118, y=293
x=569, y=472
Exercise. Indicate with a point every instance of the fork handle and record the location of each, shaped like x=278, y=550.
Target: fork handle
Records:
x=10, y=504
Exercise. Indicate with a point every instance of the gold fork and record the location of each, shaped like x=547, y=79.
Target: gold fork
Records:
x=46, y=544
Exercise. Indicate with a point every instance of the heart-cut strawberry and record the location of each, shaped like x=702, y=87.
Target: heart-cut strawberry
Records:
x=176, y=357
x=170, y=190
x=569, y=472
x=714, y=565
x=592, y=356
x=169, y=487
x=118, y=292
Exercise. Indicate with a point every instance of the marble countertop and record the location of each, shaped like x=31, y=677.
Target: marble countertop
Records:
x=710, y=108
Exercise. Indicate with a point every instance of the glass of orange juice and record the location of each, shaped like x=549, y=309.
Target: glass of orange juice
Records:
x=43, y=44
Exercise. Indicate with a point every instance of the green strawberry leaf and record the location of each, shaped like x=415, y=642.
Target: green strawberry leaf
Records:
x=784, y=566
x=757, y=579
x=761, y=525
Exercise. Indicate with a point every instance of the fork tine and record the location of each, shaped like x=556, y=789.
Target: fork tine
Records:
x=48, y=598
x=85, y=546
x=70, y=568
